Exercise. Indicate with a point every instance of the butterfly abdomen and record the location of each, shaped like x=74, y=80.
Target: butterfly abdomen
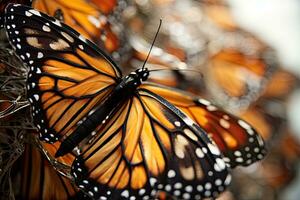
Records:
x=88, y=124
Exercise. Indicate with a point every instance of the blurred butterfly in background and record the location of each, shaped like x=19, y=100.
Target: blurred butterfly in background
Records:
x=106, y=6
x=236, y=79
x=235, y=64
x=218, y=12
x=268, y=113
x=239, y=64
x=39, y=180
x=169, y=67
x=129, y=139
x=85, y=18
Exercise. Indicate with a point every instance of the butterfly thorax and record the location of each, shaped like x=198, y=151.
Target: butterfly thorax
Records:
x=133, y=80
x=121, y=93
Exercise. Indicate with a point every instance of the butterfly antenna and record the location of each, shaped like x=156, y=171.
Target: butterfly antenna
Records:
x=160, y=22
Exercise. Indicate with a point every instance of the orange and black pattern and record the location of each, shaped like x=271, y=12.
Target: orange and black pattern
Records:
x=67, y=77
x=237, y=140
x=84, y=18
x=147, y=146
x=153, y=141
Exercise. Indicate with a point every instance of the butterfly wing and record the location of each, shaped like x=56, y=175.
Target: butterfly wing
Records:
x=4, y=3
x=68, y=75
x=237, y=140
x=148, y=146
x=40, y=181
x=106, y=6
x=84, y=18
x=236, y=79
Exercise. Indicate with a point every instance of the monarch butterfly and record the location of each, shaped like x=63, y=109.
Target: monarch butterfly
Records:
x=248, y=76
x=280, y=85
x=84, y=18
x=131, y=141
x=38, y=179
x=240, y=64
x=218, y=12
x=211, y=126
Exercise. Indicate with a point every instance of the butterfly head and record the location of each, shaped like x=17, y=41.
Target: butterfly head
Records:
x=139, y=75
x=142, y=73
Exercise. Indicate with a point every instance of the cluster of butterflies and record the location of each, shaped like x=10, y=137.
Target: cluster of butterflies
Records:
x=236, y=65
x=122, y=137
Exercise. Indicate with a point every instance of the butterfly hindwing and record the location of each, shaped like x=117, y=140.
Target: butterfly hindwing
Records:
x=38, y=176
x=237, y=140
x=148, y=146
x=68, y=75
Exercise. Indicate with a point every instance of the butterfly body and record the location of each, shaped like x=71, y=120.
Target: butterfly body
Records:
x=122, y=92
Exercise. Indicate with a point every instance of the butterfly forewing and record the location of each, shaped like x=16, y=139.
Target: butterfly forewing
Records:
x=67, y=76
x=3, y=5
x=237, y=140
x=147, y=146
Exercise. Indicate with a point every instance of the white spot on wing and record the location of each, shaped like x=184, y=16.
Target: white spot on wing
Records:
x=35, y=12
x=199, y=153
x=40, y=55
x=36, y=97
x=204, y=102
x=28, y=14
x=57, y=22
x=219, y=165
x=188, y=121
x=213, y=149
x=82, y=38
x=125, y=193
x=171, y=173
x=46, y=28
x=225, y=124
x=190, y=134
x=68, y=37
x=244, y=124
